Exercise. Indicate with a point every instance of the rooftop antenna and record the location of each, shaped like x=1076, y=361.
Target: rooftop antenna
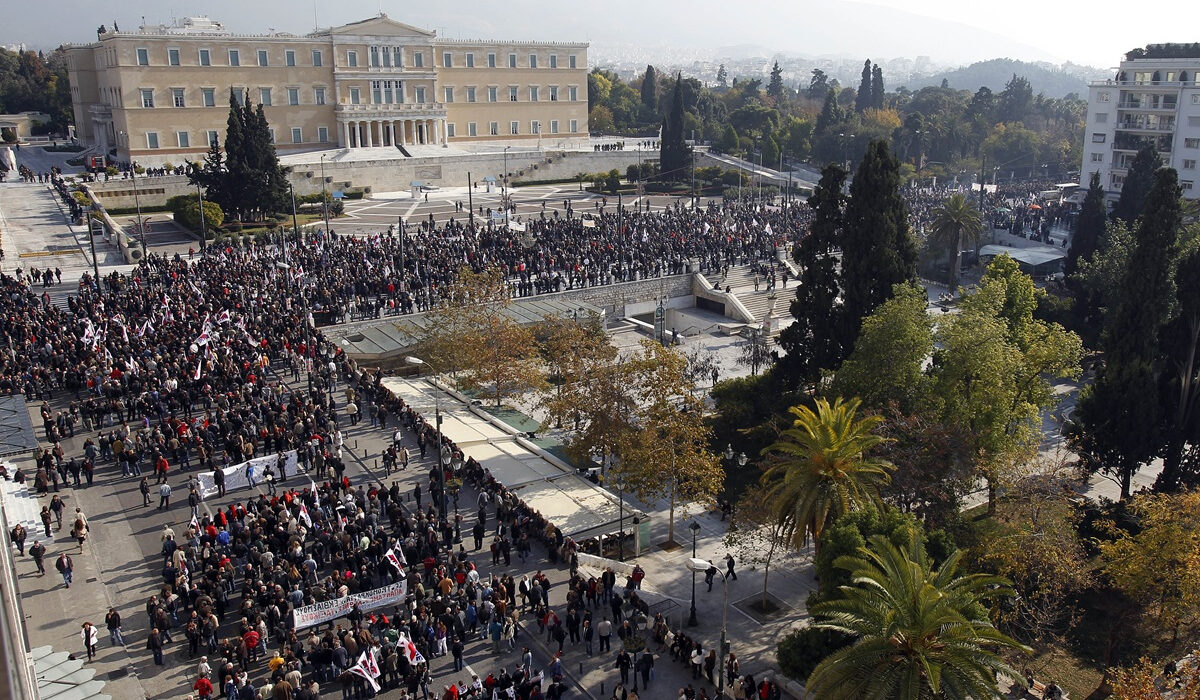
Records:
x=315, y=25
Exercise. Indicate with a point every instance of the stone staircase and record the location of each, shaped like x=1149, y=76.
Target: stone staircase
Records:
x=21, y=505
x=740, y=281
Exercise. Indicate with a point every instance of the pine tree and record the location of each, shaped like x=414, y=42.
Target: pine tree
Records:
x=1137, y=185
x=818, y=85
x=1118, y=415
x=877, y=87
x=674, y=153
x=878, y=250
x=812, y=342
x=650, y=88
x=862, y=101
x=211, y=176
x=775, y=85
x=1088, y=228
x=722, y=77
x=831, y=113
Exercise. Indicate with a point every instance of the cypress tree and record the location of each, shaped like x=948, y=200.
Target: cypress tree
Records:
x=674, y=153
x=775, y=85
x=831, y=113
x=862, y=101
x=1118, y=416
x=1088, y=228
x=1137, y=185
x=812, y=341
x=877, y=87
x=236, y=174
x=650, y=88
x=878, y=250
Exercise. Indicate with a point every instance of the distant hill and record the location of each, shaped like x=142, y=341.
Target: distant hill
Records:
x=1053, y=80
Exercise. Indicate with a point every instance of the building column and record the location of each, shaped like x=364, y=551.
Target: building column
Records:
x=433, y=134
x=442, y=131
x=370, y=136
x=345, y=134
x=389, y=126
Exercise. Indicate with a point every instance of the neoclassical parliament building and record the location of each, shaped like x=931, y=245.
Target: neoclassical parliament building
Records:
x=161, y=94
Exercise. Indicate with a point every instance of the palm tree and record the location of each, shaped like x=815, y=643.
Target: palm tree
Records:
x=955, y=219
x=821, y=469
x=921, y=632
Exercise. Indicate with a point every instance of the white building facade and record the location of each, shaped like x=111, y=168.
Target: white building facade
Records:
x=1154, y=98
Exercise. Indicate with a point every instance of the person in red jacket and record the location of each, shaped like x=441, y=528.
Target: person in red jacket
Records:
x=251, y=640
x=203, y=688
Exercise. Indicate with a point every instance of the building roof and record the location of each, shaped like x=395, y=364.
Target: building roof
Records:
x=1029, y=256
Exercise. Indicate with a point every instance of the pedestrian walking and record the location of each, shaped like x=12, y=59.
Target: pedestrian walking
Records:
x=144, y=488
x=164, y=497
x=155, y=645
x=18, y=535
x=113, y=622
x=90, y=639
x=729, y=573
x=38, y=552
x=65, y=567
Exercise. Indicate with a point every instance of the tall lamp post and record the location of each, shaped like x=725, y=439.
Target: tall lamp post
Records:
x=324, y=196
x=694, y=565
x=504, y=196
x=203, y=227
x=620, y=484
x=692, y=621
x=136, y=200
x=443, y=453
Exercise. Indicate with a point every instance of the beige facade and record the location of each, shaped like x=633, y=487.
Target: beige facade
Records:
x=161, y=94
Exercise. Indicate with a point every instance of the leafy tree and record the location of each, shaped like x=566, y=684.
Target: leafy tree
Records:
x=813, y=342
x=818, y=85
x=990, y=375
x=211, y=176
x=1015, y=100
x=770, y=152
x=955, y=222
x=862, y=99
x=1142, y=681
x=934, y=471
x=756, y=533
x=729, y=140
x=755, y=352
x=573, y=353
x=1136, y=188
x=819, y=468
x=1118, y=415
x=665, y=455
x=775, y=84
x=888, y=361
x=722, y=77
x=471, y=335
x=878, y=250
x=1099, y=280
x=1157, y=565
x=675, y=154
x=831, y=113
x=1089, y=228
x=921, y=632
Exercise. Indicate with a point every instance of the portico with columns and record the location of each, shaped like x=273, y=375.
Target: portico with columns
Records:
x=381, y=126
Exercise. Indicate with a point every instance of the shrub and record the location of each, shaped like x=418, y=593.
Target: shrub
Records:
x=800, y=651
x=189, y=215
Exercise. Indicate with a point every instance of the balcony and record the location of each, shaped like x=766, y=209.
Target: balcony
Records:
x=1147, y=105
x=394, y=110
x=1133, y=125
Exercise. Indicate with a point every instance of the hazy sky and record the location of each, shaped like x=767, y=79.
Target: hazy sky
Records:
x=950, y=31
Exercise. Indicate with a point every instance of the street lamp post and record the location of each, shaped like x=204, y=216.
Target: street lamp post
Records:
x=92, y=243
x=504, y=194
x=696, y=564
x=443, y=453
x=692, y=621
x=203, y=226
x=620, y=484
x=136, y=199
x=295, y=223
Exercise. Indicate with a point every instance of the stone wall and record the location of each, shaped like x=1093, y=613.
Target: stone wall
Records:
x=394, y=175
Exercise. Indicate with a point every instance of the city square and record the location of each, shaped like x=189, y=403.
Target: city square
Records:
x=375, y=362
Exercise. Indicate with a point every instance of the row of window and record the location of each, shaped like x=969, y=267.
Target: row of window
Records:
x=535, y=93
x=382, y=92
x=208, y=96
x=183, y=139
x=377, y=56
x=514, y=128
x=233, y=57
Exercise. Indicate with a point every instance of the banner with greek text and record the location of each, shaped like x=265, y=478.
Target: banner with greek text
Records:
x=238, y=475
x=327, y=610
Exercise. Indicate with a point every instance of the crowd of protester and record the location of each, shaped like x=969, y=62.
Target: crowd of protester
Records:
x=193, y=365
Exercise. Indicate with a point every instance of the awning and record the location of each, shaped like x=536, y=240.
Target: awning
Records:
x=59, y=677
x=16, y=429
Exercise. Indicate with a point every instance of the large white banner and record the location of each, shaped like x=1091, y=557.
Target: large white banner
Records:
x=367, y=601
x=237, y=476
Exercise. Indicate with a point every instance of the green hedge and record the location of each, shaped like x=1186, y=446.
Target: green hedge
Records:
x=800, y=651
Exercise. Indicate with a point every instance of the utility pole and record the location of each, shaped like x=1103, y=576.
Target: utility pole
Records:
x=470, y=203
x=295, y=223
x=324, y=195
x=982, y=179
x=92, y=243
x=695, y=199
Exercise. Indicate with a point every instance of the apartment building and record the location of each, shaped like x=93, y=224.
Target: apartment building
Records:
x=1154, y=98
x=162, y=93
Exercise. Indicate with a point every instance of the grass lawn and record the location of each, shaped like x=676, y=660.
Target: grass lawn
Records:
x=1076, y=676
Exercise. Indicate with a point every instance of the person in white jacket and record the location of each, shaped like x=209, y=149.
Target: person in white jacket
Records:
x=90, y=639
